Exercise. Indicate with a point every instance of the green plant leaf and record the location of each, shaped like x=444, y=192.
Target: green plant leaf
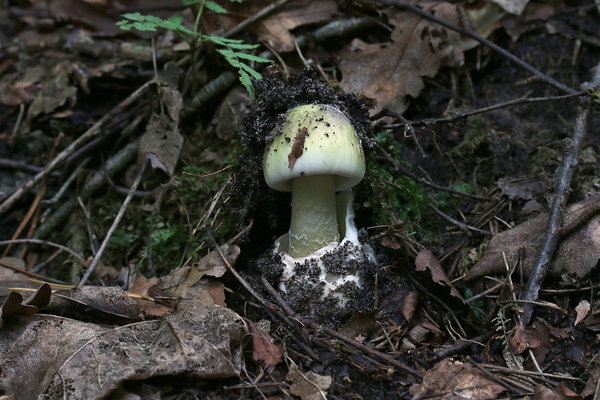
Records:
x=215, y=7
x=252, y=57
x=150, y=23
x=252, y=72
x=247, y=82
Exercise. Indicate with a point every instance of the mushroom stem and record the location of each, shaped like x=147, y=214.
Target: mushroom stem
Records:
x=314, y=220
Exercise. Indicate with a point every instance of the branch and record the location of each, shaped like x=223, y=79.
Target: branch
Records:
x=473, y=35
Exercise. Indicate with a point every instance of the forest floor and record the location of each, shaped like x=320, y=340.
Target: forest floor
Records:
x=134, y=217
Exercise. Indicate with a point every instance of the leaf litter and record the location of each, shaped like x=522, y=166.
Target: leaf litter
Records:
x=91, y=328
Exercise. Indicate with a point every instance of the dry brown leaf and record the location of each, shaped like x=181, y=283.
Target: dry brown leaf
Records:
x=391, y=242
x=84, y=14
x=147, y=287
x=275, y=29
x=409, y=305
x=263, y=348
x=14, y=305
x=308, y=386
x=56, y=91
x=101, y=304
x=418, y=333
x=561, y=393
x=453, y=380
x=21, y=87
x=64, y=358
x=427, y=261
x=162, y=140
x=390, y=72
x=574, y=258
x=523, y=338
x=582, y=310
x=189, y=282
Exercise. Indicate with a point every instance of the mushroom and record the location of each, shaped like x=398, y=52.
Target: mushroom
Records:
x=314, y=154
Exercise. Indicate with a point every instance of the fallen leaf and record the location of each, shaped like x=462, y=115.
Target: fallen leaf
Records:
x=62, y=358
x=56, y=91
x=427, y=261
x=147, y=287
x=560, y=393
x=189, y=282
x=574, y=258
x=228, y=117
x=409, y=305
x=84, y=14
x=518, y=188
x=263, y=348
x=14, y=305
x=97, y=303
x=523, y=338
x=391, y=242
x=418, y=333
x=418, y=49
x=308, y=386
x=276, y=28
x=21, y=87
x=162, y=141
x=582, y=310
x=454, y=380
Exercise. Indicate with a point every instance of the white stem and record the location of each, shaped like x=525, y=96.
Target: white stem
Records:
x=314, y=221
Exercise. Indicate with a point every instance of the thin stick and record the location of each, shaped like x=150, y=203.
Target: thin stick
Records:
x=399, y=167
x=45, y=243
x=259, y=15
x=90, y=133
x=313, y=325
x=463, y=226
x=473, y=35
x=456, y=116
x=28, y=273
x=114, y=225
x=552, y=236
x=237, y=276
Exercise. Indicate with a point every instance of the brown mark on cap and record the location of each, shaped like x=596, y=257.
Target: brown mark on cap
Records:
x=297, y=147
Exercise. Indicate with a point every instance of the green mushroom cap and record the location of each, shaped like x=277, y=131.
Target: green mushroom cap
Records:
x=315, y=139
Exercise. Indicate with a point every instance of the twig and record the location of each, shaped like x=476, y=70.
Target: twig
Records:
x=114, y=225
x=399, y=167
x=19, y=120
x=19, y=165
x=473, y=35
x=313, y=325
x=237, y=276
x=552, y=235
x=34, y=208
x=90, y=133
x=461, y=345
x=254, y=18
x=409, y=129
x=456, y=116
x=28, y=273
x=456, y=222
x=59, y=194
x=441, y=303
x=92, y=184
x=46, y=243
